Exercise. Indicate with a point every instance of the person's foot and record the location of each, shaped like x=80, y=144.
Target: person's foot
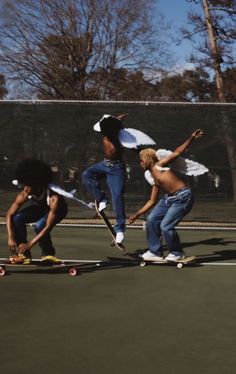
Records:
x=175, y=256
x=19, y=259
x=119, y=237
x=150, y=256
x=50, y=260
x=102, y=205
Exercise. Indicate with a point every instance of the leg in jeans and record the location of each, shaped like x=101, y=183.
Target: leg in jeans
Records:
x=91, y=178
x=46, y=242
x=27, y=215
x=116, y=181
x=179, y=206
x=153, y=228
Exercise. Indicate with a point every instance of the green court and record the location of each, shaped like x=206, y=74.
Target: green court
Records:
x=122, y=319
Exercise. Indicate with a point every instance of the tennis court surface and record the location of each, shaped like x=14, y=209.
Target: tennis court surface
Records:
x=122, y=319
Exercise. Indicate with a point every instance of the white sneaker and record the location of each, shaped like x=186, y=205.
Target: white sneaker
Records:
x=173, y=257
x=102, y=205
x=119, y=237
x=149, y=256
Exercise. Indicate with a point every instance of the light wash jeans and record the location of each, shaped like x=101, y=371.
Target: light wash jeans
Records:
x=115, y=179
x=162, y=220
x=37, y=215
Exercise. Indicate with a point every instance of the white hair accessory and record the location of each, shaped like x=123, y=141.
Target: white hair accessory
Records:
x=15, y=182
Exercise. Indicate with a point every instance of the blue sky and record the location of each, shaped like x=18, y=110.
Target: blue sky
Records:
x=175, y=13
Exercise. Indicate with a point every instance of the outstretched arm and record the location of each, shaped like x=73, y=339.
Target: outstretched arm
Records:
x=122, y=116
x=181, y=149
x=148, y=205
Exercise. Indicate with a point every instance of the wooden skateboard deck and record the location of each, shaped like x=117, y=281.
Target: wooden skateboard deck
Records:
x=179, y=263
x=103, y=216
x=72, y=266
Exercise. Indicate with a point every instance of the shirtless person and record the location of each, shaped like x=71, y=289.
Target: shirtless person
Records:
x=170, y=210
x=47, y=208
x=111, y=168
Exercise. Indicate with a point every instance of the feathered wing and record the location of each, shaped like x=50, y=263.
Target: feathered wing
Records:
x=149, y=178
x=183, y=165
x=132, y=138
x=69, y=195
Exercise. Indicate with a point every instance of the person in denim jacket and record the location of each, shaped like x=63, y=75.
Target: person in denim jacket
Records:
x=171, y=208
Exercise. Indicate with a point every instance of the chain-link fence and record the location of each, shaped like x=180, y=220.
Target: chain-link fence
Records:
x=61, y=133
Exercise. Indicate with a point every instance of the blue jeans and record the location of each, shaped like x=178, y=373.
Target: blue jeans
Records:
x=35, y=214
x=162, y=220
x=115, y=179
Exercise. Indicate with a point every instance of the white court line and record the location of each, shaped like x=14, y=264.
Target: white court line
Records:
x=63, y=260
x=218, y=263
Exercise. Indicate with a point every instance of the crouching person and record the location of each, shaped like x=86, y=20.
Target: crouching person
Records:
x=46, y=209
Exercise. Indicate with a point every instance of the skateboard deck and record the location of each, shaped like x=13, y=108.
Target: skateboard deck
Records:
x=71, y=266
x=108, y=224
x=179, y=263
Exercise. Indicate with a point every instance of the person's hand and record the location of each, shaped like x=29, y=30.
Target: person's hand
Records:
x=132, y=219
x=12, y=245
x=197, y=134
x=23, y=247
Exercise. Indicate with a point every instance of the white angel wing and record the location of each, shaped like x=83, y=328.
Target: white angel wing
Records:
x=132, y=138
x=69, y=195
x=149, y=178
x=183, y=165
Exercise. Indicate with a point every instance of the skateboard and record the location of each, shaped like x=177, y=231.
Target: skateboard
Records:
x=103, y=216
x=179, y=263
x=71, y=266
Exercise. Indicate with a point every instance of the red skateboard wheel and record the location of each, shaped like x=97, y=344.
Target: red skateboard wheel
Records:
x=2, y=271
x=73, y=272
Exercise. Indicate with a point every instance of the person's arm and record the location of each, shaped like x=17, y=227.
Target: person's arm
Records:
x=54, y=202
x=148, y=205
x=21, y=198
x=122, y=116
x=181, y=149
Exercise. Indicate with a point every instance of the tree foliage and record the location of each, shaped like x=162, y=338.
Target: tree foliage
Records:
x=190, y=86
x=61, y=48
x=223, y=20
x=3, y=90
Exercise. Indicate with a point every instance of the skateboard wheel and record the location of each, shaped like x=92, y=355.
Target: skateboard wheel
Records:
x=143, y=263
x=179, y=265
x=73, y=272
x=2, y=271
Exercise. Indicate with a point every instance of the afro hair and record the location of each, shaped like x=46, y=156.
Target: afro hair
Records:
x=33, y=172
x=110, y=127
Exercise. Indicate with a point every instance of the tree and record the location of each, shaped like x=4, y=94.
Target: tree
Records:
x=58, y=47
x=191, y=85
x=122, y=84
x=217, y=28
x=229, y=82
x=3, y=90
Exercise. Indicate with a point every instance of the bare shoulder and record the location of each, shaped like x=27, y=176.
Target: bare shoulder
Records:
x=22, y=196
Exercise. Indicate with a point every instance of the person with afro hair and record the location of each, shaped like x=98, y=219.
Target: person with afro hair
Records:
x=46, y=209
